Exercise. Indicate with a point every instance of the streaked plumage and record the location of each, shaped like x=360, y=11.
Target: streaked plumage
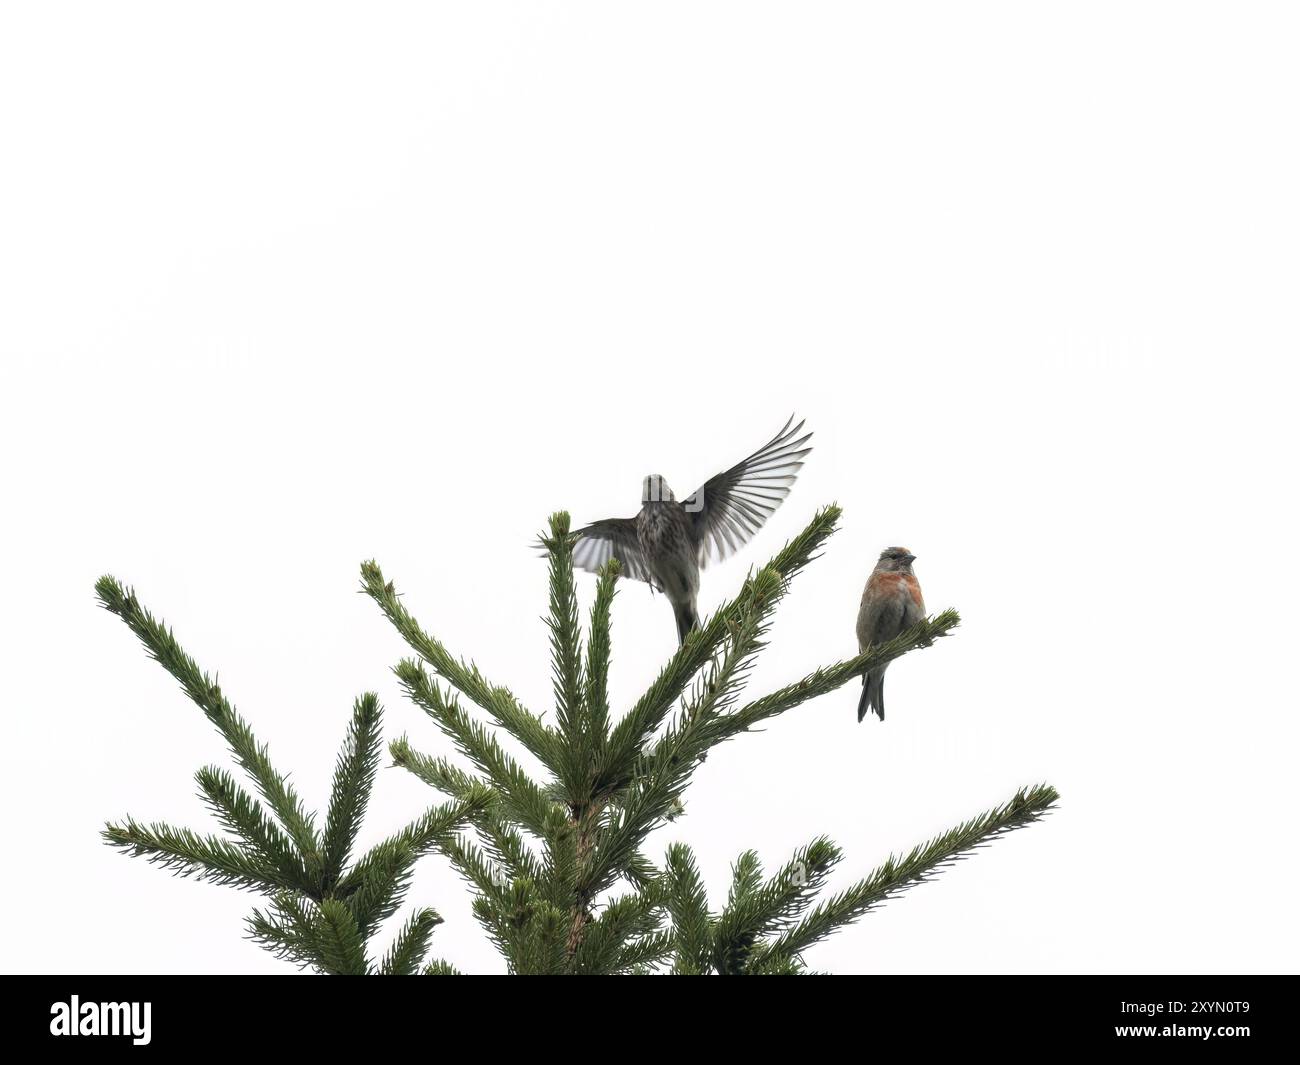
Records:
x=669, y=542
x=891, y=604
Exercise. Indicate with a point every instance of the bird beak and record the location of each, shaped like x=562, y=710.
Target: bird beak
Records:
x=910, y=559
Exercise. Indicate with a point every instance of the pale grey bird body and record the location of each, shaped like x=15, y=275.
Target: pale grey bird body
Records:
x=669, y=542
x=664, y=535
x=891, y=604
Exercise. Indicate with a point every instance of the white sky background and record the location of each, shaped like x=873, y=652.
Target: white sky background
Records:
x=285, y=287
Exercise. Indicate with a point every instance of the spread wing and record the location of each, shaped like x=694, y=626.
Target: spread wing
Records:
x=731, y=507
x=611, y=538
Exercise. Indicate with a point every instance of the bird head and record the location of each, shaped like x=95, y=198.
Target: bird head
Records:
x=896, y=560
x=654, y=489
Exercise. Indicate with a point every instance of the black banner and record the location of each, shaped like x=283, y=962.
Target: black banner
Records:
x=149, y=1014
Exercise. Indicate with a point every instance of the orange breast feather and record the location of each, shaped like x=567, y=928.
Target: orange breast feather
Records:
x=884, y=585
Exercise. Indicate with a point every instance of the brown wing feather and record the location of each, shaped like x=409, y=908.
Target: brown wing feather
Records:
x=610, y=538
x=733, y=505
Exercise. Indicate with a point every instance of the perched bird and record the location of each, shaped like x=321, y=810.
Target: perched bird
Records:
x=891, y=604
x=669, y=542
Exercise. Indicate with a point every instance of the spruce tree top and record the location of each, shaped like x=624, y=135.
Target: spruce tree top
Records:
x=561, y=880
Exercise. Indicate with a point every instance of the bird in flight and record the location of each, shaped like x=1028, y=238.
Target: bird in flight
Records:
x=669, y=542
x=891, y=604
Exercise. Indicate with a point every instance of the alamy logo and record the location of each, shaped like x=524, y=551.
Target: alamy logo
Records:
x=101, y=1018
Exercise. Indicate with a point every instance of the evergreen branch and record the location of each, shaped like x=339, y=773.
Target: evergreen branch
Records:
x=716, y=728
x=688, y=909
x=641, y=955
x=803, y=548
x=509, y=851
x=584, y=728
x=475, y=869
x=640, y=871
x=566, y=643
x=661, y=778
x=205, y=692
x=411, y=945
x=354, y=777
x=243, y=816
x=498, y=702
x=777, y=967
x=624, y=920
x=641, y=722
x=746, y=879
x=755, y=910
x=920, y=864
x=540, y=941
x=417, y=837
x=439, y=773
x=563, y=864
x=503, y=843
x=288, y=930
x=277, y=938
x=186, y=853
x=505, y=907
x=438, y=967
x=341, y=944
x=828, y=679
x=373, y=888
x=506, y=916
x=598, y=653
x=517, y=792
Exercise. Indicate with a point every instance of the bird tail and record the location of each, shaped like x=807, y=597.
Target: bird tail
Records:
x=873, y=694
x=687, y=619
